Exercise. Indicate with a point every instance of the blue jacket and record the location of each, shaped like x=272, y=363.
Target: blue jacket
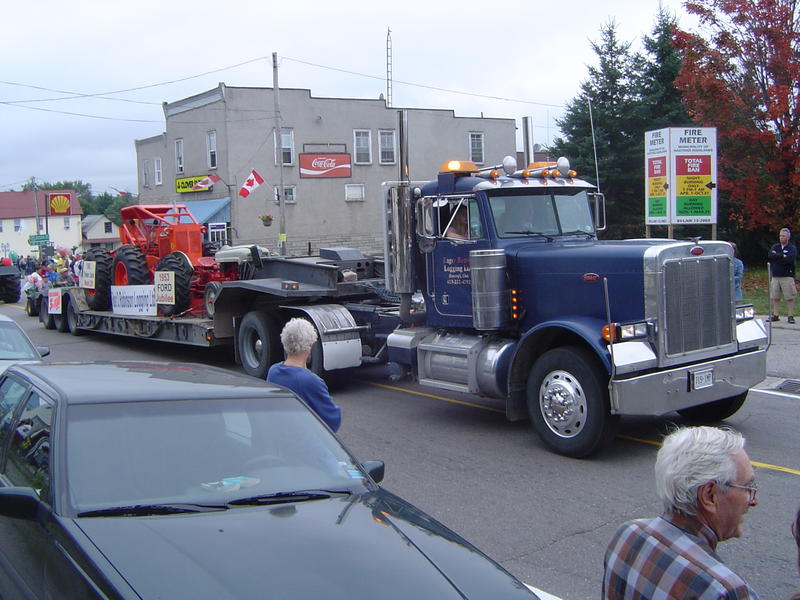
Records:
x=311, y=388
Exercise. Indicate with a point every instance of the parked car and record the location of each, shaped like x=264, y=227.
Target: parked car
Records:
x=15, y=346
x=144, y=480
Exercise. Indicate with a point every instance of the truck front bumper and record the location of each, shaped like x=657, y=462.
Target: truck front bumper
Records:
x=682, y=387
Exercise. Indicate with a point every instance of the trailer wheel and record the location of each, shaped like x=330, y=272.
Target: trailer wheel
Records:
x=568, y=402
x=130, y=266
x=10, y=288
x=712, y=412
x=31, y=307
x=213, y=288
x=99, y=298
x=60, y=320
x=45, y=317
x=72, y=320
x=258, y=343
x=177, y=263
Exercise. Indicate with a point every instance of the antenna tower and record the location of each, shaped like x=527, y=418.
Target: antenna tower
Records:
x=388, y=67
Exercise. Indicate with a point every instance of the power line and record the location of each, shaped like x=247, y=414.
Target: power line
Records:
x=76, y=114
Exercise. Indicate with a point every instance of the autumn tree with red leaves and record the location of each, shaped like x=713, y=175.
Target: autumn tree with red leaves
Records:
x=741, y=74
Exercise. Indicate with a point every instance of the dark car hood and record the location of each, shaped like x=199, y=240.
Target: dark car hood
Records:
x=370, y=546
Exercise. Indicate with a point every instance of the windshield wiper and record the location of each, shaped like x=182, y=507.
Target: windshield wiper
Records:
x=549, y=237
x=578, y=232
x=140, y=510
x=284, y=497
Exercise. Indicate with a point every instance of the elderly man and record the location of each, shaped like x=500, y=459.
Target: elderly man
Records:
x=781, y=260
x=705, y=480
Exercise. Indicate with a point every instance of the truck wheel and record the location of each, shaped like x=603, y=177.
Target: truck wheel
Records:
x=60, y=321
x=45, y=317
x=177, y=263
x=258, y=343
x=10, y=288
x=130, y=267
x=568, y=402
x=71, y=320
x=99, y=298
x=31, y=307
x=714, y=411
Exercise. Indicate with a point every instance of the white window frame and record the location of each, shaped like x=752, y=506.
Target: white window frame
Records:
x=17, y=224
x=381, y=135
x=279, y=151
x=211, y=146
x=356, y=133
x=292, y=189
x=40, y=224
x=158, y=173
x=477, y=135
x=146, y=173
x=66, y=223
x=1, y=225
x=352, y=187
x=179, y=157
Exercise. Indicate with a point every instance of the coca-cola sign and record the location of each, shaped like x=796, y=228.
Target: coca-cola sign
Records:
x=325, y=165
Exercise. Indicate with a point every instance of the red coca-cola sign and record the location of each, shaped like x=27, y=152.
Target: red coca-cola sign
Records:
x=325, y=165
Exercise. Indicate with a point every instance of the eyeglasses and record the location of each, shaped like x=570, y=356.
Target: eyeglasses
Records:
x=753, y=489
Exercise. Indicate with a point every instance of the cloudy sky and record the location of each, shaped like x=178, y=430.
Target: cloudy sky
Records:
x=82, y=80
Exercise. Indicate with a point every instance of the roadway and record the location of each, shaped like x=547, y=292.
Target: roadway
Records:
x=544, y=517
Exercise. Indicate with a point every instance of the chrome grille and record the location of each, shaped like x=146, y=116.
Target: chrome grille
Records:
x=699, y=307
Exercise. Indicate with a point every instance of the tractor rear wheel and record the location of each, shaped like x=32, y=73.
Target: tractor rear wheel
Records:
x=178, y=264
x=10, y=288
x=130, y=267
x=99, y=298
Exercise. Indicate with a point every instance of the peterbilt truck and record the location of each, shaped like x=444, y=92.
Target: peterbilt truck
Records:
x=524, y=304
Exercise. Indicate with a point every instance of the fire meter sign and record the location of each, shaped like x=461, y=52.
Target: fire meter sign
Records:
x=681, y=168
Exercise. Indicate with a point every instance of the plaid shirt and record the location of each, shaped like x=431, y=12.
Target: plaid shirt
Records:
x=668, y=557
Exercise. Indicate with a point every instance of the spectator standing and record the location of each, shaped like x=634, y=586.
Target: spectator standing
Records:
x=738, y=274
x=297, y=338
x=781, y=260
x=706, y=482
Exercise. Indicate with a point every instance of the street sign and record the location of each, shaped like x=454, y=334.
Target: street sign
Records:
x=40, y=239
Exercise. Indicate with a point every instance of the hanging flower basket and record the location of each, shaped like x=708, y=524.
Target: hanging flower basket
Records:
x=266, y=220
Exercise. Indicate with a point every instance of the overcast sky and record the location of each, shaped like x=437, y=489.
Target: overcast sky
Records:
x=532, y=55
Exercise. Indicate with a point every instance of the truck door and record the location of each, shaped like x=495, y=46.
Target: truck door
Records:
x=460, y=229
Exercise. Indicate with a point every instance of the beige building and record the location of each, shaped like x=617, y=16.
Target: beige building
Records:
x=55, y=214
x=99, y=232
x=334, y=154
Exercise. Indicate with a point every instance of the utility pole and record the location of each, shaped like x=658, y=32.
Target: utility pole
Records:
x=279, y=144
x=35, y=203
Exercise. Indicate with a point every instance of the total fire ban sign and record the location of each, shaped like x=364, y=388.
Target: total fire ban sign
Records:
x=681, y=175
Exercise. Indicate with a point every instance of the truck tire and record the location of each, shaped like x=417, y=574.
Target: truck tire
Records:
x=568, y=402
x=99, y=298
x=71, y=320
x=177, y=263
x=258, y=343
x=45, y=318
x=713, y=412
x=130, y=267
x=10, y=290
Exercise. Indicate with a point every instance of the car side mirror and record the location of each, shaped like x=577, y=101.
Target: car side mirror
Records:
x=20, y=503
x=375, y=469
x=43, y=351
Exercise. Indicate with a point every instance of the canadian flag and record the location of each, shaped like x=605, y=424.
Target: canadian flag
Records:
x=252, y=182
x=206, y=182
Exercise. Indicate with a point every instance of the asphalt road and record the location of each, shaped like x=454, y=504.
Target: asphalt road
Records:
x=544, y=517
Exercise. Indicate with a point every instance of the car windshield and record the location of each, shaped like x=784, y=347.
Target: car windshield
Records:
x=544, y=213
x=14, y=344
x=206, y=452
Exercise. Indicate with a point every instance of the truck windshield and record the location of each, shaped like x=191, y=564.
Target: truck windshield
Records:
x=543, y=213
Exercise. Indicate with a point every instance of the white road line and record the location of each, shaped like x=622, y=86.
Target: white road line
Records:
x=542, y=595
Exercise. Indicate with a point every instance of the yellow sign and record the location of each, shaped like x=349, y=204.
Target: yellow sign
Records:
x=187, y=184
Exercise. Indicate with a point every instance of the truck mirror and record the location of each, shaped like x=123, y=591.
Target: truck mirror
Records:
x=598, y=210
x=426, y=231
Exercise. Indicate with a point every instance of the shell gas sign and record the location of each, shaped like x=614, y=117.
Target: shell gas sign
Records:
x=59, y=204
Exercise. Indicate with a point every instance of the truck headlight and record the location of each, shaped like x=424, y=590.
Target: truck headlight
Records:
x=619, y=332
x=745, y=313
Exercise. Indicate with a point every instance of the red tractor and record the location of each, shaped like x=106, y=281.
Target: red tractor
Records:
x=159, y=237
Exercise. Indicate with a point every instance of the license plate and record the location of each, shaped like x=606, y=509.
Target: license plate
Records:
x=703, y=379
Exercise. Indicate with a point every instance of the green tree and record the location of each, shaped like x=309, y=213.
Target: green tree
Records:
x=119, y=201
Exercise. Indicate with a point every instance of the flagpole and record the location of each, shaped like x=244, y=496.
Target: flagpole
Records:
x=279, y=147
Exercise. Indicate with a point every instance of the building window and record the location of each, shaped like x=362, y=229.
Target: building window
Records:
x=179, y=156
x=354, y=192
x=157, y=166
x=287, y=147
x=476, y=148
x=107, y=227
x=66, y=222
x=289, y=194
x=362, y=143
x=17, y=225
x=41, y=223
x=1, y=226
x=145, y=173
x=387, y=147
x=211, y=144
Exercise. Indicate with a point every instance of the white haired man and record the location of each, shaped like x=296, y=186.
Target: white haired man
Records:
x=706, y=482
x=297, y=337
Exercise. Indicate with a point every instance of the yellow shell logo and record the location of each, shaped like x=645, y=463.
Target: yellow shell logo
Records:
x=59, y=204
